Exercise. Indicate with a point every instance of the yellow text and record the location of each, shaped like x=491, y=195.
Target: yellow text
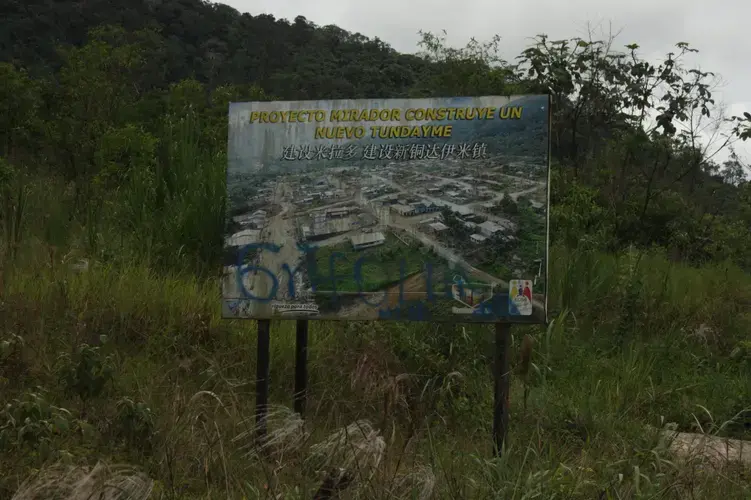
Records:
x=365, y=115
x=339, y=133
x=404, y=131
x=292, y=116
x=441, y=114
x=510, y=113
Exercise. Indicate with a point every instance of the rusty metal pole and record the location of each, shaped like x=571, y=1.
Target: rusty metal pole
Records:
x=301, y=366
x=501, y=386
x=262, y=376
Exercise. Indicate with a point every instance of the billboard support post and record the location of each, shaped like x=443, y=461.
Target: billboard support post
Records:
x=301, y=366
x=262, y=376
x=501, y=386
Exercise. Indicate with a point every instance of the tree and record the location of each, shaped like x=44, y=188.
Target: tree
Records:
x=96, y=94
x=476, y=69
x=20, y=100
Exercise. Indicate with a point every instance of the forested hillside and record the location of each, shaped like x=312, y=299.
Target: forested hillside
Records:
x=654, y=187
x=216, y=45
x=112, y=169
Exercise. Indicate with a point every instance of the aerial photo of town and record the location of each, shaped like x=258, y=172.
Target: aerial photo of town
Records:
x=390, y=236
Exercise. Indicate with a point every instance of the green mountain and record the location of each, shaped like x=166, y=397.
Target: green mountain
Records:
x=216, y=44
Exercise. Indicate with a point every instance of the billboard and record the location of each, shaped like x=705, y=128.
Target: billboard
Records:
x=405, y=209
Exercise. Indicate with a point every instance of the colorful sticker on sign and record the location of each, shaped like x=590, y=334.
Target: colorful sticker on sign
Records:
x=520, y=298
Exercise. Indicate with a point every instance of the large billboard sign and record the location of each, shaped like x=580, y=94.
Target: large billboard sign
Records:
x=406, y=209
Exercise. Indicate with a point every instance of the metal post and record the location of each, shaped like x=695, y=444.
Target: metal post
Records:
x=262, y=376
x=301, y=366
x=501, y=383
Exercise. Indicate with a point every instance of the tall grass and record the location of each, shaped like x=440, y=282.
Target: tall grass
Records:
x=193, y=178
x=13, y=206
x=396, y=410
x=171, y=211
x=582, y=434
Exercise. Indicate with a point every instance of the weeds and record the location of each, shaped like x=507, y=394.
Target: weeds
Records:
x=395, y=411
x=14, y=194
x=78, y=483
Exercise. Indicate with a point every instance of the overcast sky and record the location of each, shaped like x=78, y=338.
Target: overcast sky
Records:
x=719, y=29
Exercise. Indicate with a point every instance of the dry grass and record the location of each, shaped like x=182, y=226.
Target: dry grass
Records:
x=285, y=435
x=395, y=411
x=102, y=482
x=356, y=449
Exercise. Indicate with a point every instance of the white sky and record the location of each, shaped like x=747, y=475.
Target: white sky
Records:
x=718, y=29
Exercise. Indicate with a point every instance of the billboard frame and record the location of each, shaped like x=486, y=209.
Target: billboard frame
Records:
x=492, y=314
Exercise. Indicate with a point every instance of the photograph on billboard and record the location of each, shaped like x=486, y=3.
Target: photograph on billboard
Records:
x=403, y=209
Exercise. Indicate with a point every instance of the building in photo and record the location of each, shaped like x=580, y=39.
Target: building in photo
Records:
x=244, y=237
x=490, y=228
x=438, y=227
x=478, y=239
x=367, y=240
x=404, y=210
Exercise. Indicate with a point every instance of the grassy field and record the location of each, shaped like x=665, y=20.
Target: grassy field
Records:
x=129, y=366
x=130, y=363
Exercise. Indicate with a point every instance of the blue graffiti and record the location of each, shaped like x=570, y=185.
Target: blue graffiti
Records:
x=309, y=264
x=243, y=270
x=417, y=311
x=453, y=282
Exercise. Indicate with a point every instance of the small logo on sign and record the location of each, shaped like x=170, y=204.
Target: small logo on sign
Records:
x=520, y=298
